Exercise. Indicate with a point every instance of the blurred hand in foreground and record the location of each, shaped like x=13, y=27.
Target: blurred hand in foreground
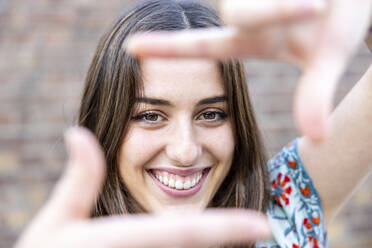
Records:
x=318, y=36
x=64, y=221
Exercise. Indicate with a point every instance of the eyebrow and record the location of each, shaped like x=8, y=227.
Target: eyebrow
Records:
x=161, y=102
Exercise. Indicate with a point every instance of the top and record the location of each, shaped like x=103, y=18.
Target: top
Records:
x=295, y=212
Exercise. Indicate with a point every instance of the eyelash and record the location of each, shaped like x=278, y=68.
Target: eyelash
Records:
x=141, y=117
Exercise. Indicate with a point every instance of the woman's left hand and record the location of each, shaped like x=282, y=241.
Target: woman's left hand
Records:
x=318, y=36
x=64, y=221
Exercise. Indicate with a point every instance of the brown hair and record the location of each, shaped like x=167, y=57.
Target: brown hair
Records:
x=114, y=81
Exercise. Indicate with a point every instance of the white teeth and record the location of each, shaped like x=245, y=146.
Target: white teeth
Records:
x=187, y=184
x=165, y=181
x=179, y=184
x=193, y=182
x=172, y=183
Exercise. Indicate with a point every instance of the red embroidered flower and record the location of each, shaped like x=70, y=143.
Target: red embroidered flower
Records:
x=316, y=220
x=280, y=189
x=307, y=223
x=292, y=164
x=314, y=241
x=305, y=191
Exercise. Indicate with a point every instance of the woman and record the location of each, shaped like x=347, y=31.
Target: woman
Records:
x=120, y=81
x=176, y=134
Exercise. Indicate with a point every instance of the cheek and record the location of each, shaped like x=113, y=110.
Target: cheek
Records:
x=220, y=142
x=138, y=148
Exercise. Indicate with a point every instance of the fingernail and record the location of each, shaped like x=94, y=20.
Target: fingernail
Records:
x=140, y=42
x=135, y=41
x=129, y=44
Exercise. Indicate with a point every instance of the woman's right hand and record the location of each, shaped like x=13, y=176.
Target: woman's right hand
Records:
x=65, y=220
x=318, y=36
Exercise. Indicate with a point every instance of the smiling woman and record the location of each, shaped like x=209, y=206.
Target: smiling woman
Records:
x=174, y=119
x=180, y=134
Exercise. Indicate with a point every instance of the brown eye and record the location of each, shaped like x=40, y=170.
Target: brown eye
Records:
x=151, y=117
x=209, y=115
x=212, y=116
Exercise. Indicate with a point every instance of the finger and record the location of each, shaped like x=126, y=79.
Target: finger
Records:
x=256, y=14
x=76, y=192
x=214, y=43
x=176, y=230
x=314, y=95
x=211, y=42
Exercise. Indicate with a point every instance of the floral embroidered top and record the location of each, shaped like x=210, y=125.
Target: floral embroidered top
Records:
x=295, y=212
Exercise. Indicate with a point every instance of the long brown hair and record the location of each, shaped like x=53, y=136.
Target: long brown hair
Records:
x=114, y=81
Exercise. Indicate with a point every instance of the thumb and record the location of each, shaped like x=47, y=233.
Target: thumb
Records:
x=314, y=95
x=258, y=14
x=76, y=192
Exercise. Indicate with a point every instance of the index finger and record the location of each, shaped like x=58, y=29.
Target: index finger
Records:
x=213, y=43
x=208, y=42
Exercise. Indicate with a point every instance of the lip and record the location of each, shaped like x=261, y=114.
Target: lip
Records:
x=180, y=172
x=184, y=192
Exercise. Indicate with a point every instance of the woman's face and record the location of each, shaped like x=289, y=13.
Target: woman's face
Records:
x=180, y=144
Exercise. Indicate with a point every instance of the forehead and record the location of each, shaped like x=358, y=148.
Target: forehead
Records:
x=176, y=78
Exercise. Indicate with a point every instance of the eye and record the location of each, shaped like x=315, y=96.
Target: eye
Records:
x=212, y=116
x=149, y=117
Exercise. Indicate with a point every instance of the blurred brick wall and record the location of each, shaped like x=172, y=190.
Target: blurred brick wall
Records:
x=45, y=50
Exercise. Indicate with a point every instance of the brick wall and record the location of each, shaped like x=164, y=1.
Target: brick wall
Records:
x=45, y=50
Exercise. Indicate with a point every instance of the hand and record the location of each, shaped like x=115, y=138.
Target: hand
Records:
x=316, y=35
x=64, y=220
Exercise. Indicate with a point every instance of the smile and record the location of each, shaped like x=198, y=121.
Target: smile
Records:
x=179, y=183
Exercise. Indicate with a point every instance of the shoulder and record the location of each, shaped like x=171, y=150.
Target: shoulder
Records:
x=295, y=211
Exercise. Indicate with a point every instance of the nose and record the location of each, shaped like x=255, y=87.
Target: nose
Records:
x=182, y=148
